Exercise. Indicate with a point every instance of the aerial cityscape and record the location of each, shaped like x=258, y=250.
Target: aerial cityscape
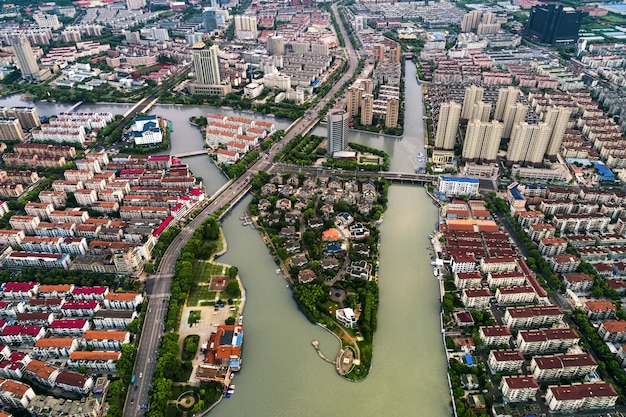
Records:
x=411, y=207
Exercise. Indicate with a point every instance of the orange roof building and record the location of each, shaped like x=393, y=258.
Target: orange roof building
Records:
x=331, y=234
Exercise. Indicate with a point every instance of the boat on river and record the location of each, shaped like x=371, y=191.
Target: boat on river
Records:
x=436, y=272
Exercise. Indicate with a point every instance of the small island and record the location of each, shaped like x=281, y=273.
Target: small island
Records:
x=322, y=232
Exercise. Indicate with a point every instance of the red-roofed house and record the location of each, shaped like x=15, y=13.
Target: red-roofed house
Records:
x=90, y=293
x=585, y=396
x=505, y=360
x=80, y=308
x=476, y=298
x=69, y=327
x=15, y=394
x=74, y=382
x=562, y=367
x=494, y=335
x=519, y=388
x=613, y=331
x=599, y=309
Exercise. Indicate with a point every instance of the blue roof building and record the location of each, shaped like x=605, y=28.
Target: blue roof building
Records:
x=605, y=173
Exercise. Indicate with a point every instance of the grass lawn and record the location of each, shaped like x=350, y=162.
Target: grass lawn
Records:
x=205, y=270
x=199, y=292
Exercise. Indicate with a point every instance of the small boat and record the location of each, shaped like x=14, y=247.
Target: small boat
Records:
x=436, y=272
x=430, y=237
x=277, y=271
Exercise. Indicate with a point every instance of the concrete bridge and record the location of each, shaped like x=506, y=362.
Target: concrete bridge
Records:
x=192, y=153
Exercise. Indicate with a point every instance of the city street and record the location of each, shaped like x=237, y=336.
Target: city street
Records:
x=158, y=286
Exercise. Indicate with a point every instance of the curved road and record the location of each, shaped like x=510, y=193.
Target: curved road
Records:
x=158, y=286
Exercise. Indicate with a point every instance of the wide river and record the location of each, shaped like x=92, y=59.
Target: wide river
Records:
x=281, y=374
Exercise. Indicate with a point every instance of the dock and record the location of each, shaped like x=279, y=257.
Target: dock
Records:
x=316, y=346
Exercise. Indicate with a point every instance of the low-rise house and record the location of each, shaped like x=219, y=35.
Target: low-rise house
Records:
x=476, y=298
x=346, y=317
x=35, y=318
x=599, y=309
x=41, y=372
x=560, y=367
x=506, y=279
x=105, y=340
x=515, y=295
x=69, y=328
x=584, y=396
x=80, y=308
x=122, y=301
x=546, y=340
x=13, y=366
x=463, y=318
x=113, y=319
x=519, y=388
x=563, y=264
x=464, y=280
x=463, y=263
x=55, y=291
x=613, y=331
x=494, y=335
x=306, y=275
x=577, y=282
x=15, y=394
x=90, y=293
x=532, y=316
x=95, y=361
x=55, y=347
x=44, y=304
x=498, y=264
x=19, y=290
x=359, y=270
x=74, y=382
x=505, y=360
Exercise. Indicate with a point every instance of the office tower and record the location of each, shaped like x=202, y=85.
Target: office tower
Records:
x=513, y=115
x=368, y=86
x=25, y=57
x=447, y=125
x=245, y=26
x=481, y=111
x=470, y=21
x=507, y=97
x=473, y=94
x=557, y=118
x=276, y=45
x=209, y=18
x=337, y=131
x=482, y=141
x=135, y=4
x=10, y=129
x=549, y=23
x=367, y=109
x=353, y=95
x=206, y=61
x=528, y=144
x=26, y=115
x=393, y=109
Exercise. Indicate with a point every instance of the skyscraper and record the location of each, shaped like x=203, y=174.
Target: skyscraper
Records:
x=391, y=117
x=367, y=109
x=507, y=97
x=557, y=118
x=447, y=125
x=25, y=57
x=353, y=95
x=245, y=26
x=207, y=65
x=337, y=131
x=482, y=141
x=549, y=23
x=528, y=143
x=481, y=111
x=368, y=85
x=209, y=17
x=473, y=94
x=513, y=115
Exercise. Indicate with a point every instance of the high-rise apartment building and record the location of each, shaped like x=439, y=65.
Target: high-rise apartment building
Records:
x=528, y=144
x=482, y=141
x=481, y=111
x=393, y=111
x=367, y=109
x=353, y=96
x=337, y=131
x=557, y=118
x=26, y=115
x=507, y=97
x=471, y=20
x=276, y=45
x=549, y=23
x=206, y=62
x=513, y=115
x=245, y=26
x=368, y=86
x=47, y=21
x=473, y=95
x=135, y=4
x=447, y=125
x=10, y=129
x=25, y=57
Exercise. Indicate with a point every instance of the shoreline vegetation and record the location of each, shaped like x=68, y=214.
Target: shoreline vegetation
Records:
x=174, y=365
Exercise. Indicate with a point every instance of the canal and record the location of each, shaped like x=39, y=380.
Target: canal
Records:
x=281, y=374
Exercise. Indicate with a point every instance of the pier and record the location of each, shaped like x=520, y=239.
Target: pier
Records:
x=316, y=346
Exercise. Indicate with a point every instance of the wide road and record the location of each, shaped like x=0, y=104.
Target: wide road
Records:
x=158, y=286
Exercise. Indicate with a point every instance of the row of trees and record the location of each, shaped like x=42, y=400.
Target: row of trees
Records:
x=304, y=151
